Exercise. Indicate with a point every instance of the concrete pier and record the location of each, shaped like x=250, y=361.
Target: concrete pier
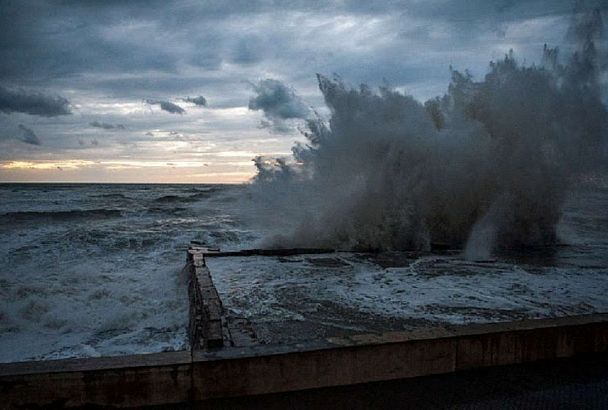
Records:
x=219, y=367
x=180, y=377
x=206, y=312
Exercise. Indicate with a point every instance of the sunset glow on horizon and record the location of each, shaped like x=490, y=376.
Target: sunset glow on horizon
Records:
x=222, y=84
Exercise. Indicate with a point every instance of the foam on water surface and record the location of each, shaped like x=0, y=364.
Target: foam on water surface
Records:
x=81, y=285
x=95, y=270
x=432, y=289
x=325, y=295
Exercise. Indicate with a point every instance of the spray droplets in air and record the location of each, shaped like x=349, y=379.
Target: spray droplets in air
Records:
x=483, y=167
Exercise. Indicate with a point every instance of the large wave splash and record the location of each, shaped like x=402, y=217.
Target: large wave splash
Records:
x=484, y=167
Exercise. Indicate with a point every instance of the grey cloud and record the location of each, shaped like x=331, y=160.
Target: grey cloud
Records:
x=34, y=104
x=200, y=100
x=99, y=41
x=171, y=108
x=466, y=21
x=483, y=11
x=35, y=48
x=247, y=51
x=140, y=86
x=106, y=126
x=27, y=135
x=203, y=34
x=278, y=103
x=167, y=106
x=212, y=46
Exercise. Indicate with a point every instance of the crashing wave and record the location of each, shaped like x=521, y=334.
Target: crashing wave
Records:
x=485, y=166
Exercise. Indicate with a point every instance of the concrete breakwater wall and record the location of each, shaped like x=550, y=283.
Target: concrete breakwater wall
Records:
x=223, y=362
x=205, y=328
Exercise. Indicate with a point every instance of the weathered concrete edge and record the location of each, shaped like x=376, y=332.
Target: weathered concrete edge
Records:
x=170, y=358
x=175, y=377
x=267, y=252
x=206, y=318
x=127, y=381
x=369, y=358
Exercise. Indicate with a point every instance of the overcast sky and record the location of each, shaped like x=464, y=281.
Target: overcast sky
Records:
x=191, y=91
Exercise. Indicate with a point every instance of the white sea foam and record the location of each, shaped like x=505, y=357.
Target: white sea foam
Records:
x=75, y=283
x=569, y=279
x=485, y=166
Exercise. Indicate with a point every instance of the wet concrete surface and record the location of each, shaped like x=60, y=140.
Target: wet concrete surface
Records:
x=298, y=298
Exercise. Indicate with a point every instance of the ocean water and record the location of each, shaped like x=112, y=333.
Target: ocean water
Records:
x=288, y=299
x=95, y=269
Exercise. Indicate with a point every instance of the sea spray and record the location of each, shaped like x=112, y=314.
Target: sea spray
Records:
x=486, y=164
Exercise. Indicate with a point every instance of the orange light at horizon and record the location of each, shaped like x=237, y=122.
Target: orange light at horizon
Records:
x=132, y=171
x=67, y=164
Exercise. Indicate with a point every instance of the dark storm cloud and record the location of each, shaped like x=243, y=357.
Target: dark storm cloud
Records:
x=470, y=19
x=114, y=37
x=106, y=126
x=167, y=106
x=506, y=10
x=33, y=103
x=171, y=108
x=200, y=100
x=36, y=46
x=110, y=45
x=278, y=103
x=28, y=136
x=108, y=57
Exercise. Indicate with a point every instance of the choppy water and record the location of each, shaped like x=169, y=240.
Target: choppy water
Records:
x=89, y=270
x=301, y=297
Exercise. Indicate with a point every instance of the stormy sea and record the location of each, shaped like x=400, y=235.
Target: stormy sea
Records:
x=95, y=269
x=487, y=203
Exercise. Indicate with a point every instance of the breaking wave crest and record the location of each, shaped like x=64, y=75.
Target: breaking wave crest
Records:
x=486, y=166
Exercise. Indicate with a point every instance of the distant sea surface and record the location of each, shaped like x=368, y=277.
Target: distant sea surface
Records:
x=94, y=269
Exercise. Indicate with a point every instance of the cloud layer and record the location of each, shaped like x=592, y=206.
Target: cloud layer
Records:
x=167, y=106
x=106, y=126
x=186, y=55
x=279, y=103
x=28, y=136
x=200, y=100
x=33, y=103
